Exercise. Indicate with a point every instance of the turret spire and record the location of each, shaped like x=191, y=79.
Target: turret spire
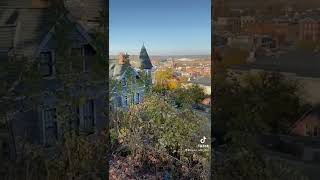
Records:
x=144, y=60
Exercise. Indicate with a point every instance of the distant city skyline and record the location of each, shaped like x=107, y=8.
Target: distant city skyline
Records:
x=167, y=27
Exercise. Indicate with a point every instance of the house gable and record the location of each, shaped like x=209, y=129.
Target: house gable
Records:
x=76, y=35
x=308, y=124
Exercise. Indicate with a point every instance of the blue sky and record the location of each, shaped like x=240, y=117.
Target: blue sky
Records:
x=167, y=27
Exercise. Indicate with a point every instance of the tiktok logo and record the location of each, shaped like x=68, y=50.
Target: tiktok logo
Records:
x=203, y=140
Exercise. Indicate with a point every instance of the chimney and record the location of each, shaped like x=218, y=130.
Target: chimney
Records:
x=122, y=58
x=40, y=3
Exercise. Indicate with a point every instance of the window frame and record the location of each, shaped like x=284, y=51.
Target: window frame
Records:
x=49, y=124
x=83, y=57
x=50, y=64
x=84, y=125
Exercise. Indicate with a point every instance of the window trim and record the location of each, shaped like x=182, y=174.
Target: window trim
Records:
x=82, y=124
x=83, y=56
x=138, y=97
x=53, y=68
x=44, y=124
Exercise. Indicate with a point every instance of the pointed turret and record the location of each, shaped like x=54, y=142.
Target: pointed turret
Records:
x=144, y=60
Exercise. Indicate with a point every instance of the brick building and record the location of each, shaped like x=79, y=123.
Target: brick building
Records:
x=309, y=29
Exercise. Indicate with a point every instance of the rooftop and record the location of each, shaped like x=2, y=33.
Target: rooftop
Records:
x=144, y=60
x=302, y=63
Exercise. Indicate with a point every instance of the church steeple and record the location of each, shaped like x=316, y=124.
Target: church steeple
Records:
x=144, y=60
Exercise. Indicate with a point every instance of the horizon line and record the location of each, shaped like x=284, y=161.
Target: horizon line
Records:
x=209, y=54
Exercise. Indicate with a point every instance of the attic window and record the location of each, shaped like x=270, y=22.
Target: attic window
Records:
x=13, y=18
x=124, y=82
x=46, y=64
x=309, y=130
x=3, y=55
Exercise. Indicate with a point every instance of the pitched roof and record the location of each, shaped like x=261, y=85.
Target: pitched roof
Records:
x=15, y=3
x=34, y=24
x=86, y=12
x=299, y=62
x=84, y=9
x=6, y=37
x=25, y=29
x=116, y=70
x=311, y=15
x=313, y=112
x=206, y=81
x=144, y=60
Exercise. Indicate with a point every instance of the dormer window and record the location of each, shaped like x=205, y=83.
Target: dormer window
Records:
x=46, y=64
x=124, y=82
x=80, y=53
x=4, y=55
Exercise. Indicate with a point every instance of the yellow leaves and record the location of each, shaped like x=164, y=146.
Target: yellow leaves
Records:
x=163, y=75
x=165, y=79
x=123, y=134
x=172, y=84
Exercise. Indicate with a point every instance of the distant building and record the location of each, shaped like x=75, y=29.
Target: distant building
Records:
x=246, y=21
x=281, y=29
x=265, y=41
x=293, y=65
x=308, y=124
x=203, y=82
x=309, y=28
x=228, y=24
x=206, y=101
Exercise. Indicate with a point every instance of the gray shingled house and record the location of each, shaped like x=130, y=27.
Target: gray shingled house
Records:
x=130, y=83
x=28, y=31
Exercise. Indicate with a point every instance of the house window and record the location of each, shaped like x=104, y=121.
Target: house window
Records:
x=126, y=100
x=138, y=98
x=50, y=126
x=5, y=150
x=3, y=55
x=87, y=121
x=124, y=82
x=316, y=131
x=46, y=64
x=80, y=53
x=118, y=101
x=308, y=130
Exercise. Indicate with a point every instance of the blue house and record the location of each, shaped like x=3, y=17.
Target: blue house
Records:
x=129, y=83
x=30, y=31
